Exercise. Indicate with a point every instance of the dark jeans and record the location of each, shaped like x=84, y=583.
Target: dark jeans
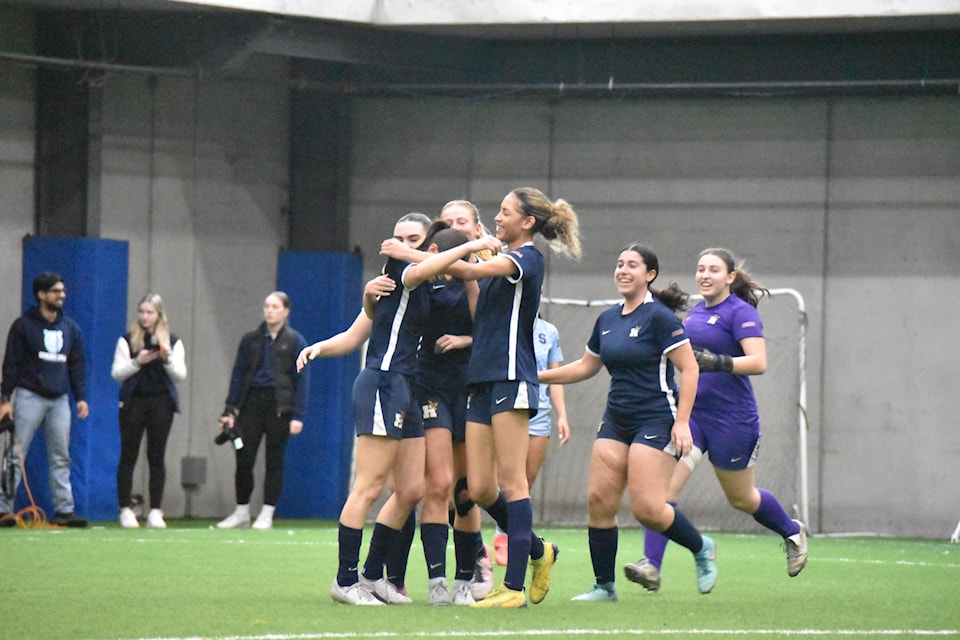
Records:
x=258, y=418
x=153, y=415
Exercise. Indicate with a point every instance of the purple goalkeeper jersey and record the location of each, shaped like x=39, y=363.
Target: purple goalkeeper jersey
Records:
x=720, y=328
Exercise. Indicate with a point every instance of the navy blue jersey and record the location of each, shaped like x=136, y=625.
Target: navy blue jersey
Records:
x=634, y=350
x=449, y=314
x=503, y=324
x=397, y=324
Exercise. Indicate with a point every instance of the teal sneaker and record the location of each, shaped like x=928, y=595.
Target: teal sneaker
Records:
x=599, y=593
x=706, y=565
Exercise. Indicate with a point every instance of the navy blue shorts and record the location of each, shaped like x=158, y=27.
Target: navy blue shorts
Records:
x=443, y=409
x=489, y=398
x=383, y=405
x=650, y=433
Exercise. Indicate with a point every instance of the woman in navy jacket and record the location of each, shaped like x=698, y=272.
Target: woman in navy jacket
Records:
x=267, y=397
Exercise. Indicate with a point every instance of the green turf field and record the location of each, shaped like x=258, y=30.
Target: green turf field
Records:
x=193, y=581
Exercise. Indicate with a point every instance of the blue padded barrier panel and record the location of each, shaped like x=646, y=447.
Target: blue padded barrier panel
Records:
x=94, y=271
x=325, y=290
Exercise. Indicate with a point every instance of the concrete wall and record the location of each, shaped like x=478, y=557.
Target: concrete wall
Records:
x=195, y=178
x=17, y=117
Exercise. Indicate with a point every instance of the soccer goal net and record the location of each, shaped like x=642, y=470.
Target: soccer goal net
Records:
x=560, y=492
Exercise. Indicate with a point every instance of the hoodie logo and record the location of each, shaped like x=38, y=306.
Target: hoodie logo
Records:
x=53, y=343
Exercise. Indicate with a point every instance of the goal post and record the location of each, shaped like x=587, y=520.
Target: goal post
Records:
x=560, y=492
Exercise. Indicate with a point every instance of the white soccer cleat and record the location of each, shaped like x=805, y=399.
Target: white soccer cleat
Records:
x=384, y=591
x=796, y=547
x=353, y=594
x=439, y=592
x=644, y=573
x=482, y=583
x=462, y=593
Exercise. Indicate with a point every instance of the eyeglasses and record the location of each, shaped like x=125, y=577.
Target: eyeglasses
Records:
x=57, y=290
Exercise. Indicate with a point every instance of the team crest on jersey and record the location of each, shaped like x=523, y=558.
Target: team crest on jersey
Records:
x=53, y=343
x=634, y=332
x=429, y=410
x=714, y=319
x=398, y=420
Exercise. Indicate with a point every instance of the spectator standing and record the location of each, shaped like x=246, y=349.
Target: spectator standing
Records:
x=44, y=361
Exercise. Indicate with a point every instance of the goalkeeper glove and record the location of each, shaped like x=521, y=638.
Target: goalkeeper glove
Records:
x=710, y=362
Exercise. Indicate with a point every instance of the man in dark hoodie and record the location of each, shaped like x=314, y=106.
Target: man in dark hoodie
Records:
x=43, y=361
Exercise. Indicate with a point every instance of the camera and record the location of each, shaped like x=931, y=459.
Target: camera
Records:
x=230, y=433
x=6, y=424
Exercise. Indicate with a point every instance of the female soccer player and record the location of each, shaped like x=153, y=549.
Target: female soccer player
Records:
x=502, y=380
x=546, y=346
x=645, y=426
x=727, y=335
x=386, y=414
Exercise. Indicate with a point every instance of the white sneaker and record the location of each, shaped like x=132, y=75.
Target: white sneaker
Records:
x=354, y=594
x=462, y=593
x=239, y=519
x=383, y=590
x=155, y=519
x=128, y=519
x=265, y=519
x=439, y=592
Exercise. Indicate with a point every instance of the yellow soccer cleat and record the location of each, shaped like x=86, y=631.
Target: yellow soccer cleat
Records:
x=502, y=598
x=540, y=583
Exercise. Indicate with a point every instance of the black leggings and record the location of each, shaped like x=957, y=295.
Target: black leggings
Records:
x=153, y=414
x=259, y=418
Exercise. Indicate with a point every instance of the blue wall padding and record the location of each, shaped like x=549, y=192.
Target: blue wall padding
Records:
x=95, y=275
x=325, y=291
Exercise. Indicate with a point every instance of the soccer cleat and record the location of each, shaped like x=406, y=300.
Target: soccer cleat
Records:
x=540, y=582
x=502, y=598
x=599, y=593
x=643, y=573
x=70, y=519
x=8, y=520
x=500, y=547
x=383, y=590
x=353, y=594
x=482, y=582
x=462, y=592
x=128, y=519
x=706, y=560
x=155, y=519
x=796, y=547
x=439, y=592
x=236, y=520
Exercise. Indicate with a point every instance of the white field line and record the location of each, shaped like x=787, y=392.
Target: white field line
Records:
x=547, y=633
